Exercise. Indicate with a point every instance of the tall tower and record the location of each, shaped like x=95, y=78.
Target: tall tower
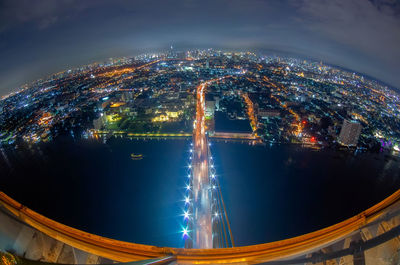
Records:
x=350, y=133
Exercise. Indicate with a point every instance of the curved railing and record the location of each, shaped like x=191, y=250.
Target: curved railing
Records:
x=322, y=244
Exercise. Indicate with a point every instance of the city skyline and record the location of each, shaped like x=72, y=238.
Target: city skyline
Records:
x=268, y=94
x=46, y=37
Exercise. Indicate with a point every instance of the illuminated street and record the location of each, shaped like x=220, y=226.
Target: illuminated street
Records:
x=202, y=220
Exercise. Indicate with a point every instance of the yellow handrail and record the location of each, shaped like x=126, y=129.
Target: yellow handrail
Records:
x=124, y=251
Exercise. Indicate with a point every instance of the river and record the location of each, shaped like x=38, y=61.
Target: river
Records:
x=271, y=193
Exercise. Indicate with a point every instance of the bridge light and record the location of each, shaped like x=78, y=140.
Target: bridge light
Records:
x=214, y=187
x=185, y=231
x=190, y=166
x=213, y=176
x=186, y=215
x=191, y=150
x=188, y=187
x=212, y=166
x=216, y=214
x=189, y=176
x=187, y=200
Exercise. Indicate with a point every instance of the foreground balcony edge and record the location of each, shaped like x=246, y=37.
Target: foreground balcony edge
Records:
x=371, y=237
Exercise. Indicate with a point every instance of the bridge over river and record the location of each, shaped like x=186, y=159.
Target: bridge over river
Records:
x=208, y=222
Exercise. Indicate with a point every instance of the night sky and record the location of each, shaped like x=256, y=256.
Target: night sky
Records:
x=40, y=37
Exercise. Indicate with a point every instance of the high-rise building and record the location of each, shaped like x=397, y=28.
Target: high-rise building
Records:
x=210, y=108
x=350, y=133
x=216, y=99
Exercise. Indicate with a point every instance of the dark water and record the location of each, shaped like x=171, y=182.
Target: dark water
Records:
x=285, y=191
x=99, y=189
x=271, y=193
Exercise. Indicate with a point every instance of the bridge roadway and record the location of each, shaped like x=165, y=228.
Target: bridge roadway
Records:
x=201, y=191
x=201, y=217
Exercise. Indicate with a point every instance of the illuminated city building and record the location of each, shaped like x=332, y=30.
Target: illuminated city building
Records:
x=210, y=108
x=350, y=133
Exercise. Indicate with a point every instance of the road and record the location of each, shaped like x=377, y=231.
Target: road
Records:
x=201, y=189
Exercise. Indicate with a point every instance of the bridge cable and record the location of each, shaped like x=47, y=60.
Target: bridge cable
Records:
x=226, y=216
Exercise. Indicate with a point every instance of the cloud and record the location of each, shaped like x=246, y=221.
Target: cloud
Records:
x=363, y=35
x=391, y=7
x=40, y=13
x=372, y=27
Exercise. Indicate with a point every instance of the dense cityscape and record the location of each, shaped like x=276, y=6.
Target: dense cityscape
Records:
x=261, y=99
x=200, y=132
